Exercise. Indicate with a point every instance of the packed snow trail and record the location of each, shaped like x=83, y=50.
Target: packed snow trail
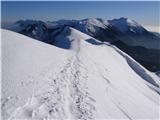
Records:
x=89, y=81
x=68, y=87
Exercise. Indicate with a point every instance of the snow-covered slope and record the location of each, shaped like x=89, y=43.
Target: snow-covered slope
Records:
x=88, y=80
x=126, y=34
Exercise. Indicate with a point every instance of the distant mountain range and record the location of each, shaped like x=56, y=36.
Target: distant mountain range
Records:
x=126, y=34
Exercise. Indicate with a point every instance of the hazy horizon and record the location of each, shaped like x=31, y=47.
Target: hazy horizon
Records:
x=145, y=13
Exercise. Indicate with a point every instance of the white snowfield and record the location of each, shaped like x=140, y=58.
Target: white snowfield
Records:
x=88, y=80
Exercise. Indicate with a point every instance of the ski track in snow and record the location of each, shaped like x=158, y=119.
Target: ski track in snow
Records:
x=67, y=92
x=67, y=95
x=82, y=106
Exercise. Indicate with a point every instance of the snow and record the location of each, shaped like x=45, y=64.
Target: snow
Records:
x=95, y=22
x=124, y=24
x=123, y=29
x=90, y=26
x=158, y=73
x=86, y=80
x=68, y=39
x=22, y=24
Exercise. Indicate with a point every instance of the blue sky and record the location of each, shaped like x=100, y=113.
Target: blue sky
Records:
x=146, y=13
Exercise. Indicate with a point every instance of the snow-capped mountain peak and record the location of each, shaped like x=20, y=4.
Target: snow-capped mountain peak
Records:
x=94, y=22
x=126, y=25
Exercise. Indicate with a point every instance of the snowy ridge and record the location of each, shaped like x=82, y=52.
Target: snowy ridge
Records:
x=125, y=24
x=122, y=29
x=89, y=80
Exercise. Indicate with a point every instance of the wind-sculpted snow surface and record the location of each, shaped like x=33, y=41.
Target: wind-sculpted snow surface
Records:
x=88, y=80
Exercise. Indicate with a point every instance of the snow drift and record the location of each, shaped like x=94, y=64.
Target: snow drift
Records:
x=87, y=80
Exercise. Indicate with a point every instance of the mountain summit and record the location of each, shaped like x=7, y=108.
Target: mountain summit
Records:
x=126, y=25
